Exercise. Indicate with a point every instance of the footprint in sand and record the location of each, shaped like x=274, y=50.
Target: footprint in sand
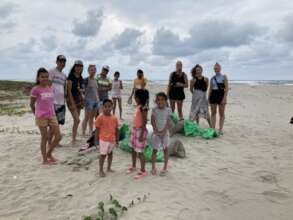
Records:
x=266, y=177
x=221, y=197
x=276, y=196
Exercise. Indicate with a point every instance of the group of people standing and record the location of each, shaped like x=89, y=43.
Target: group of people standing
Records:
x=217, y=89
x=53, y=90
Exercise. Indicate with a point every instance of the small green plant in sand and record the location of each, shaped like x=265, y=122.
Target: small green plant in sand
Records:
x=13, y=110
x=112, y=209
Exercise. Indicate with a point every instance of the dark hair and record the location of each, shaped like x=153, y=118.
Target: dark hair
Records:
x=139, y=71
x=72, y=71
x=106, y=101
x=162, y=94
x=116, y=73
x=193, y=70
x=39, y=72
x=143, y=96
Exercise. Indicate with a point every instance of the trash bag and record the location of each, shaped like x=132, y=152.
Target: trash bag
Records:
x=209, y=133
x=192, y=129
x=148, y=151
x=174, y=118
x=123, y=131
x=124, y=145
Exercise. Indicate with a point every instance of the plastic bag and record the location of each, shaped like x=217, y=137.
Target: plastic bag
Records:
x=192, y=129
x=174, y=118
x=123, y=131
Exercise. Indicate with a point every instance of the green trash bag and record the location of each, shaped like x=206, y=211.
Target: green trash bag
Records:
x=124, y=132
x=148, y=151
x=192, y=129
x=174, y=118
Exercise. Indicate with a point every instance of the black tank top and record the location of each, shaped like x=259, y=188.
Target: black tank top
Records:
x=77, y=84
x=175, y=78
x=200, y=84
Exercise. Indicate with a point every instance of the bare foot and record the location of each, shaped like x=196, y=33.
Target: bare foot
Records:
x=154, y=172
x=110, y=171
x=102, y=174
x=51, y=158
x=163, y=172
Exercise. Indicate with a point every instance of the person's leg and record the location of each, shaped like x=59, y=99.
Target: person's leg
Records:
x=166, y=159
x=222, y=116
x=110, y=159
x=213, y=115
x=92, y=116
x=101, y=164
x=179, y=108
x=85, y=120
x=172, y=105
x=133, y=157
x=114, y=105
x=43, y=145
x=142, y=162
x=197, y=119
x=76, y=121
x=154, y=157
x=120, y=107
x=55, y=130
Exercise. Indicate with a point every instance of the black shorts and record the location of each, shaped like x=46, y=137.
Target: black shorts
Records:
x=217, y=97
x=177, y=94
x=60, y=113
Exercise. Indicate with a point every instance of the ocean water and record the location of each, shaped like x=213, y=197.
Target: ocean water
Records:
x=235, y=82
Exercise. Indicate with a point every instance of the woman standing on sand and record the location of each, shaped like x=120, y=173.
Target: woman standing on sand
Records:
x=75, y=100
x=198, y=88
x=177, y=82
x=218, y=97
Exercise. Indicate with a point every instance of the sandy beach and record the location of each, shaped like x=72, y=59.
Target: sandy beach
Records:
x=247, y=174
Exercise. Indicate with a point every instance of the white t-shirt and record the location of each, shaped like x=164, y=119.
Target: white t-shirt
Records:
x=58, y=80
x=161, y=116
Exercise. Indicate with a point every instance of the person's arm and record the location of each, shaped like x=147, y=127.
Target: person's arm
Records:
x=210, y=90
x=121, y=85
x=117, y=137
x=144, y=83
x=32, y=103
x=98, y=133
x=153, y=122
x=185, y=81
x=207, y=82
x=224, y=101
x=144, y=122
x=70, y=97
x=169, y=85
x=192, y=85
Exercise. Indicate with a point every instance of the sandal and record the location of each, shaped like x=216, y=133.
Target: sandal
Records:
x=140, y=175
x=50, y=162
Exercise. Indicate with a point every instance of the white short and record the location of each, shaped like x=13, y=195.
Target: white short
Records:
x=159, y=142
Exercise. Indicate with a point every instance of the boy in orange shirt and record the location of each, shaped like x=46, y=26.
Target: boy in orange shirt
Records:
x=107, y=134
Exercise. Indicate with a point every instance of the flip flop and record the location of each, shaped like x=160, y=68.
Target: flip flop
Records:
x=140, y=175
x=53, y=160
x=130, y=170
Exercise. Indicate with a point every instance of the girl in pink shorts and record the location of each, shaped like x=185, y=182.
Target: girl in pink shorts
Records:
x=139, y=132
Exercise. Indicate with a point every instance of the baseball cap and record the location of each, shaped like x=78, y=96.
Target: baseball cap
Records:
x=78, y=62
x=106, y=67
x=61, y=57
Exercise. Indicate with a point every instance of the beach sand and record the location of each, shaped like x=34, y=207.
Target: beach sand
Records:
x=247, y=174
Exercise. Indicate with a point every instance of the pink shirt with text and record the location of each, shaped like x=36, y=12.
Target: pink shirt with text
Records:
x=44, y=107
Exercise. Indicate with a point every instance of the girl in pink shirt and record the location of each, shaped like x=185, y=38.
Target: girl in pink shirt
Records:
x=139, y=132
x=42, y=105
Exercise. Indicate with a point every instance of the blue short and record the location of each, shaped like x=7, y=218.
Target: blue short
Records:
x=91, y=105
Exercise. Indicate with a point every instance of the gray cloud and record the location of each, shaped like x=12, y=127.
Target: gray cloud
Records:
x=286, y=31
x=6, y=9
x=90, y=26
x=206, y=35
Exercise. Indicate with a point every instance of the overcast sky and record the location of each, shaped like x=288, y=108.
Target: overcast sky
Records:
x=252, y=39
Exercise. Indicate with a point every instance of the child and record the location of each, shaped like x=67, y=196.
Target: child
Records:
x=139, y=132
x=42, y=105
x=91, y=100
x=160, y=119
x=116, y=93
x=108, y=135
